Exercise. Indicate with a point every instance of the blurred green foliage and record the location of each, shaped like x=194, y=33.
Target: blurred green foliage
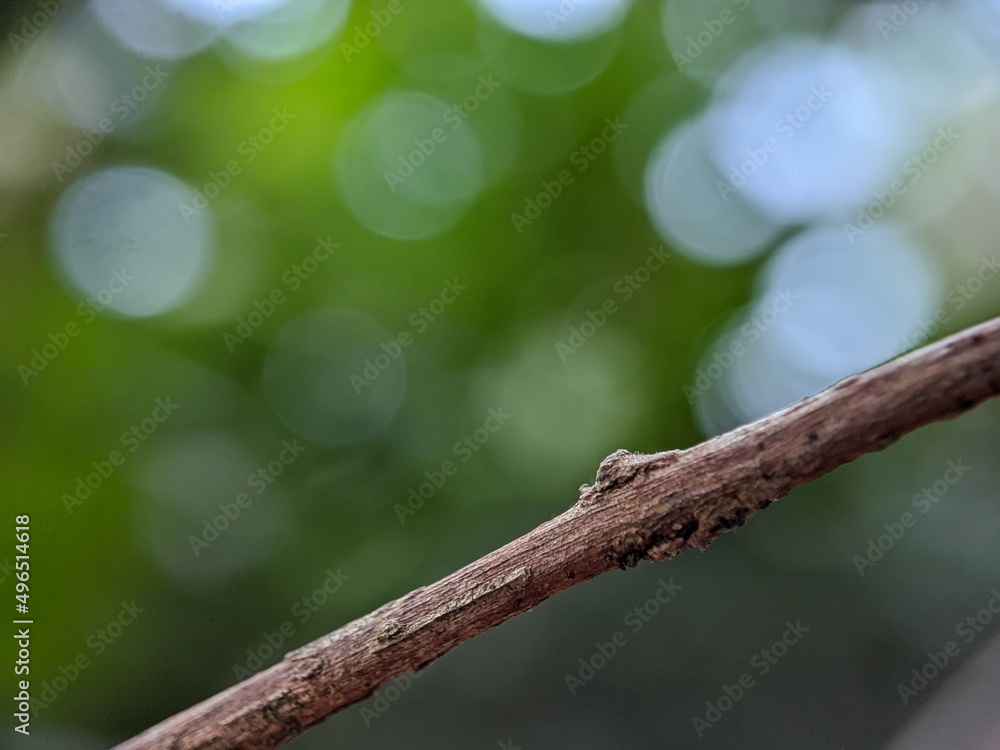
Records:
x=334, y=509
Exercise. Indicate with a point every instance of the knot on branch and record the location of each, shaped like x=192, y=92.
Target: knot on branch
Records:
x=620, y=468
x=615, y=470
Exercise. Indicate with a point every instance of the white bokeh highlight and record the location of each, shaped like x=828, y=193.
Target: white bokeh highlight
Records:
x=288, y=30
x=784, y=119
x=688, y=209
x=829, y=307
x=224, y=12
x=557, y=20
x=119, y=236
x=405, y=169
x=154, y=28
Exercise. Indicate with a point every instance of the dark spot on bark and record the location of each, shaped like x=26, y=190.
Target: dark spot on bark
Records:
x=629, y=560
x=767, y=475
x=738, y=518
x=890, y=437
x=517, y=602
x=966, y=403
x=627, y=550
x=763, y=504
x=760, y=445
x=654, y=547
x=571, y=575
x=686, y=530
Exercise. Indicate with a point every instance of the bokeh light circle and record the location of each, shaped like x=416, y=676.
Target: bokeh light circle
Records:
x=557, y=20
x=88, y=79
x=861, y=296
x=540, y=67
x=408, y=167
x=154, y=29
x=690, y=208
x=120, y=237
x=225, y=12
x=288, y=30
x=784, y=118
x=706, y=37
x=831, y=304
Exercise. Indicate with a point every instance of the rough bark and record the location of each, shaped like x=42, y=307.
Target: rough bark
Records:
x=641, y=507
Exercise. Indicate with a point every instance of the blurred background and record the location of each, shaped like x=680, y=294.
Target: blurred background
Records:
x=307, y=303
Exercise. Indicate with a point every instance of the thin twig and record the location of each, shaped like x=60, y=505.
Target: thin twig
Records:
x=641, y=507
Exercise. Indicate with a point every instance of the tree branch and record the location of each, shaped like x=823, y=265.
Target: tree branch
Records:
x=641, y=507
